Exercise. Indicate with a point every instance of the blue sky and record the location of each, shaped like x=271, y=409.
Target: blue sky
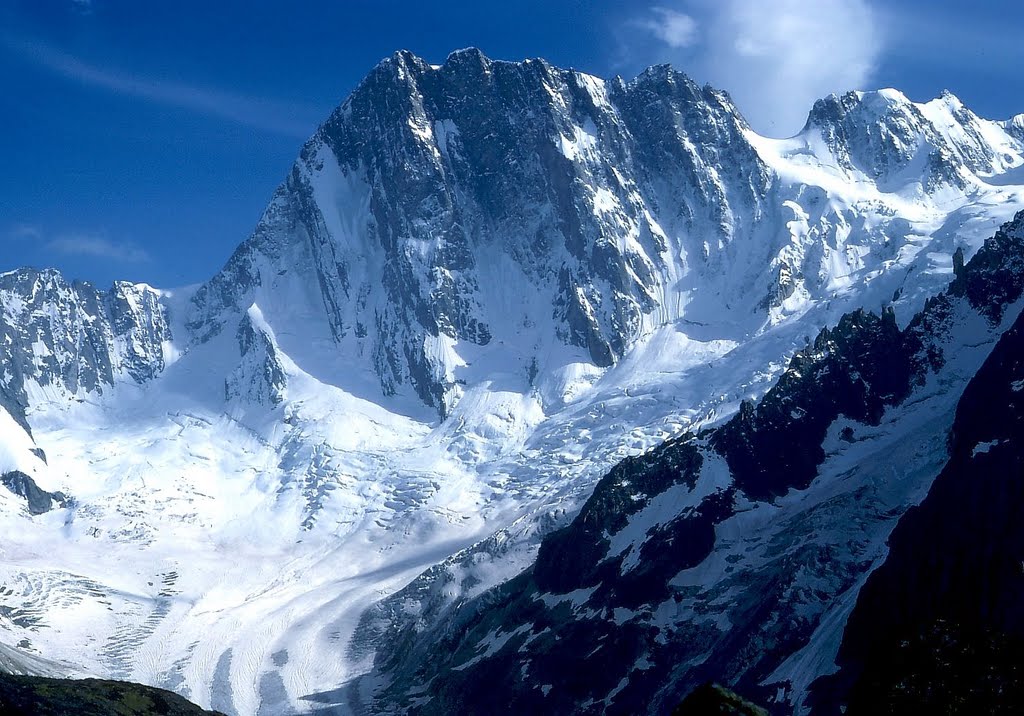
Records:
x=142, y=139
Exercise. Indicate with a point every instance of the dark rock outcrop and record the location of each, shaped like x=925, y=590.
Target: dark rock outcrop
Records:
x=39, y=501
x=714, y=700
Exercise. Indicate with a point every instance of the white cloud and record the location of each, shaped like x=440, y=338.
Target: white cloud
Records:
x=98, y=247
x=76, y=243
x=24, y=232
x=676, y=29
x=298, y=122
x=775, y=57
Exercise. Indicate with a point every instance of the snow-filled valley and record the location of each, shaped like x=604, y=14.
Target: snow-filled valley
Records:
x=481, y=286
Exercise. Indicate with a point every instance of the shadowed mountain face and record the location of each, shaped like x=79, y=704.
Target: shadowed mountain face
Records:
x=488, y=201
x=938, y=626
x=72, y=339
x=443, y=209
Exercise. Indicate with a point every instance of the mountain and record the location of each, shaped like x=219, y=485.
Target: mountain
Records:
x=734, y=553
x=528, y=219
x=550, y=212
x=480, y=288
x=68, y=339
x=61, y=341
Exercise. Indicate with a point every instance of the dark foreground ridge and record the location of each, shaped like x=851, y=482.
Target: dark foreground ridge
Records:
x=938, y=627
x=39, y=501
x=39, y=696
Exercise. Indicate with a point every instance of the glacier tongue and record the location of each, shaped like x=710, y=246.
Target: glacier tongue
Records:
x=479, y=287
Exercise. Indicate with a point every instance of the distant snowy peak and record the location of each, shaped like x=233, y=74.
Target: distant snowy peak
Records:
x=1015, y=127
x=66, y=338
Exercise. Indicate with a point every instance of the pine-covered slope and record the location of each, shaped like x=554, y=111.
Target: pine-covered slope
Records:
x=40, y=696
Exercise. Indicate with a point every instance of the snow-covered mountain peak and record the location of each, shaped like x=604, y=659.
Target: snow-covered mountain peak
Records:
x=892, y=140
x=442, y=208
x=260, y=377
x=664, y=74
x=948, y=97
x=427, y=203
x=1015, y=126
x=65, y=339
x=472, y=55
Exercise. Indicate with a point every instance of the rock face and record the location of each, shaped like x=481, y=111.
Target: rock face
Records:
x=886, y=136
x=61, y=341
x=1015, y=127
x=645, y=596
x=39, y=501
x=259, y=378
x=71, y=339
x=444, y=209
x=489, y=200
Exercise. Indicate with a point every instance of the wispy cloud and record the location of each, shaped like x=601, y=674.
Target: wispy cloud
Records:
x=99, y=247
x=774, y=57
x=676, y=29
x=23, y=232
x=267, y=115
x=94, y=244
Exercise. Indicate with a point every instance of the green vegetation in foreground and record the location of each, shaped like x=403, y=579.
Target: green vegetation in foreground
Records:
x=713, y=699
x=38, y=696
